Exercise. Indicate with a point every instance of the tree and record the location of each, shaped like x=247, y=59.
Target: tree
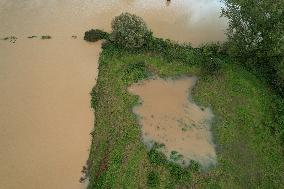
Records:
x=255, y=33
x=129, y=31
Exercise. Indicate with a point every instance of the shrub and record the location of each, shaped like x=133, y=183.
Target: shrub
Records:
x=194, y=166
x=95, y=35
x=129, y=30
x=157, y=157
x=211, y=66
x=178, y=173
x=175, y=156
x=173, y=51
x=215, y=49
x=94, y=99
x=279, y=81
x=153, y=179
x=46, y=37
x=31, y=37
x=11, y=39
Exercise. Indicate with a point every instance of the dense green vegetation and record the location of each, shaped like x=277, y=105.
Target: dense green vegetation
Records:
x=256, y=30
x=45, y=37
x=94, y=35
x=255, y=33
x=129, y=30
x=247, y=130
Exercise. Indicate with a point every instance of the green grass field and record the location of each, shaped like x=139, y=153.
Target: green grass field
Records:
x=249, y=155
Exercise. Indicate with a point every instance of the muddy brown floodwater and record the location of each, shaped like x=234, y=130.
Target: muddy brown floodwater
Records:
x=170, y=117
x=45, y=119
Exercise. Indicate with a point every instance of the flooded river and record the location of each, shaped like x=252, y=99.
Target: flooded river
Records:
x=45, y=115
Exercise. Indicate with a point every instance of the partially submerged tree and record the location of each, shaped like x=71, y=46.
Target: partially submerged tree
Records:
x=129, y=31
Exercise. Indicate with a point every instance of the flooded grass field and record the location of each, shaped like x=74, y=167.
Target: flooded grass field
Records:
x=168, y=116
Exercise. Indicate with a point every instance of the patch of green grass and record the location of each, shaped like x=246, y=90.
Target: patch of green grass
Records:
x=249, y=154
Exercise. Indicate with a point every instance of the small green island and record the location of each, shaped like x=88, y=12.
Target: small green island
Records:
x=241, y=80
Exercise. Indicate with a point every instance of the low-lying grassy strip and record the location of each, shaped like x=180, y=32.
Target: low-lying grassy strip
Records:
x=249, y=155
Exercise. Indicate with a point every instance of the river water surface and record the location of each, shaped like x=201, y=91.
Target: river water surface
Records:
x=45, y=115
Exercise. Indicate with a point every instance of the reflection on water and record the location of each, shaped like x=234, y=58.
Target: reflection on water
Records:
x=195, y=21
x=169, y=118
x=45, y=117
x=168, y=2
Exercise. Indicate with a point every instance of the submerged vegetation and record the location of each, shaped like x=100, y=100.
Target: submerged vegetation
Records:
x=32, y=37
x=11, y=39
x=46, y=37
x=248, y=129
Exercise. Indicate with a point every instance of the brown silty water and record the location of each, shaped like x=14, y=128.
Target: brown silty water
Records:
x=45, y=115
x=169, y=116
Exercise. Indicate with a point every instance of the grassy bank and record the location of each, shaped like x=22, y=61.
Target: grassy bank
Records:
x=249, y=155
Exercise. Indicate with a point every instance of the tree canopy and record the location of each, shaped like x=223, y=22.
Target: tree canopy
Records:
x=256, y=36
